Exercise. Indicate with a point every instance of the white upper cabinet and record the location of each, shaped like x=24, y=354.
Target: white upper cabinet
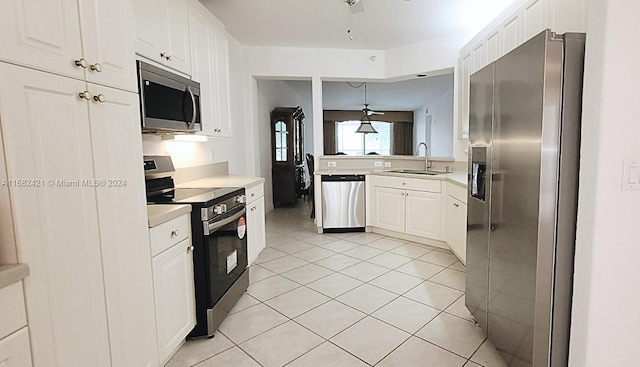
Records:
x=210, y=67
x=517, y=24
x=162, y=32
x=90, y=39
x=42, y=34
x=107, y=41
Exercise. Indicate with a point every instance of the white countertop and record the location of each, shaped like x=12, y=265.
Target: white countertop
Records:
x=162, y=213
x=10, y=274
x=224, y=181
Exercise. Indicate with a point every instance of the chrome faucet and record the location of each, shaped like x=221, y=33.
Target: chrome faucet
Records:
x=427, y=164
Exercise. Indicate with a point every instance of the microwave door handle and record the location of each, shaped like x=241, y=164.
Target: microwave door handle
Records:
x=193, y=102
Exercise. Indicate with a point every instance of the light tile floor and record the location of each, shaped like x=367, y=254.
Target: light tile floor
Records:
x=346, y=299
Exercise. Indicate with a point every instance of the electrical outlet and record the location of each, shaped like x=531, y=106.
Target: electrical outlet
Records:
x=377, y=164
x=387, y=164
x=331, y=164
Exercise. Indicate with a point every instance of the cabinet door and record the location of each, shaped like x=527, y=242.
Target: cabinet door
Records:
x=117, y=155
x=148, y=24
x=47, y=136
x=423, y=214
x=14, y=350
x=223, y=122
x=175, y=30
x=465, y=72
x=256, y=241
x=42, y=34
x=108, y=43
x=389, y=208
x=456, y=217
x=175, y=297
x=203, y=69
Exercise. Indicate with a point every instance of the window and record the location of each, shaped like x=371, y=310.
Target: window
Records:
x=349, y=142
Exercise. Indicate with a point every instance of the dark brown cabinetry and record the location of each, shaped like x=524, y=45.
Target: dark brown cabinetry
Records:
x=287, y=155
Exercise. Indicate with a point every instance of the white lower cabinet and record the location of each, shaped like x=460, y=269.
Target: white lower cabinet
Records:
x=414, y=211
x=456, y=220
x=14, y=349
x=256, y=240
x=423, y=214
x=173, y=283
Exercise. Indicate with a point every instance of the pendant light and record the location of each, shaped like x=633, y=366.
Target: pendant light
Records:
x=365, y=122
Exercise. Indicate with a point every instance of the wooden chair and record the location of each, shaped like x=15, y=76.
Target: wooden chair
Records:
x=310, y=168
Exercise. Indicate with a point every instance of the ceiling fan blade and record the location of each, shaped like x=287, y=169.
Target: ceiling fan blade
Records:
x=375, y=113
x=355, y=6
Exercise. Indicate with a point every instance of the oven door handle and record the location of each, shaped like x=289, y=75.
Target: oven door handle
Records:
x=214, y=226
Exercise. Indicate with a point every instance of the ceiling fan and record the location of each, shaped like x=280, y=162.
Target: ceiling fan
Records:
x=355, y=6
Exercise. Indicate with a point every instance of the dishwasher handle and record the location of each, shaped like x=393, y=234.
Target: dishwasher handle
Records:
x=342, y=178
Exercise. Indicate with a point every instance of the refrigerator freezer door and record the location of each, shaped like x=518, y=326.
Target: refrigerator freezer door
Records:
x=525, y=157
x=478, y=202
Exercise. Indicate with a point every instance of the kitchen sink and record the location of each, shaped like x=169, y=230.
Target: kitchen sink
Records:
x=418, y=172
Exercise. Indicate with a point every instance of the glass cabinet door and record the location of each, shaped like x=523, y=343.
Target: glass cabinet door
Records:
x=281, y=141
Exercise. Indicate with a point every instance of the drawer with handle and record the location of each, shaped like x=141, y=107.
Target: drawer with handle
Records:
x=169, y=233
x=254, y=192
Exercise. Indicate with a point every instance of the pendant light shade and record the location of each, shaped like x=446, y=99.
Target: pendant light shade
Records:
x=365, y=122
x=366, y=127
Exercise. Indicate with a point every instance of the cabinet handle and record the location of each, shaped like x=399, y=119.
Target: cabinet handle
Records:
x=189, y=249
x=100, y=98
x=163, y=55
x=168, y=57
x=217, y=130
x=85, y=95
x=96, y=67
x=82, y=63
x=252, y=195
x=456, y=205
x=174, y=233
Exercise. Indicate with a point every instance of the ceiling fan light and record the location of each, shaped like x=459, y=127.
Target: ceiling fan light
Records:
x=366, y=128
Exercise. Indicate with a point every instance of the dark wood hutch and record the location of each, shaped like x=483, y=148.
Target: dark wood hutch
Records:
x=287, y=155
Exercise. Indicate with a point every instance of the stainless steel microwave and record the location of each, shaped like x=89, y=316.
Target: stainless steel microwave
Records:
x=168, y=102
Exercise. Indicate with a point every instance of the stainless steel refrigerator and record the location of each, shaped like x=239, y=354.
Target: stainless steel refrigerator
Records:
x=524, y=136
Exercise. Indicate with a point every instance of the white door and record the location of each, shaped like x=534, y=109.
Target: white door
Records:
x=389, y=208
x=108, y=43
x=117, y=155
x=148, y=25
x=423, y=214
x=175, y=21
x=175, y=296
x=42, y=34
x=47, y=137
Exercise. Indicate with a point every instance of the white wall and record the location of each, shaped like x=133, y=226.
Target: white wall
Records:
x=439, y=134
x=272, y=94
x=234, y=149
x=606, y=304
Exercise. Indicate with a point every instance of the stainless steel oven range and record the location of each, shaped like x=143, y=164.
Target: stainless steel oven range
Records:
x=219, y=236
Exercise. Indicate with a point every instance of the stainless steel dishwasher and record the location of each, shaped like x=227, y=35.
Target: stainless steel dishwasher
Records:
x=343, y=203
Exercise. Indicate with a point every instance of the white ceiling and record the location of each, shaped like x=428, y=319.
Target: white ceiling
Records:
x=399, y=96
x=384, y=24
